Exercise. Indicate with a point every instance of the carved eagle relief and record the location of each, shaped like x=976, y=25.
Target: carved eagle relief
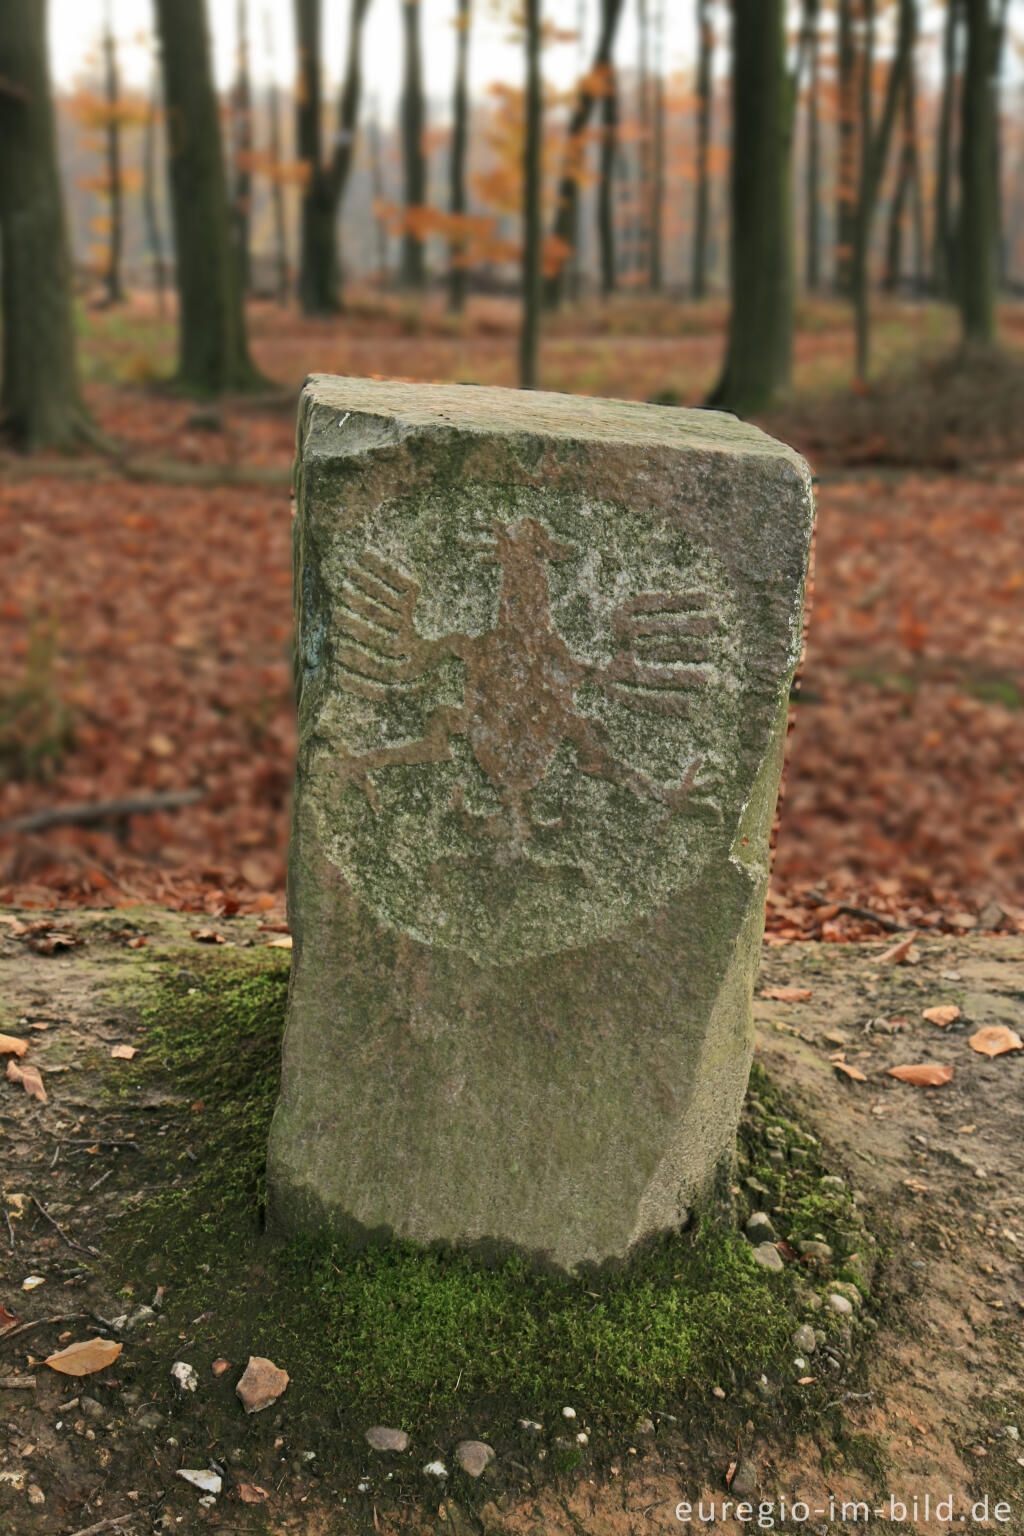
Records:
x=520, y=677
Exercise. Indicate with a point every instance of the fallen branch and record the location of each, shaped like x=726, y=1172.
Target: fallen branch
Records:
x=80, y=1247
x=40, y=1322
x=88, y=812
x=107, y=1525
x=872, y=917
x=17, y=1383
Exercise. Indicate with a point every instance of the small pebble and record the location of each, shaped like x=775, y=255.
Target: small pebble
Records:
x=381, y=1438
x=744, y=1479
x=804, y=1339
x=473, y=1456
x=568, y=1413
x=184, y=1375
x=36, y=1494
x=840, y=1304
x=768, y=1256
x=582, y=1439
x=759, y=1228
x=436, y=1469
x=816, y=1250
x=209, y=1482
x=532, y=1425
x=261, y=1384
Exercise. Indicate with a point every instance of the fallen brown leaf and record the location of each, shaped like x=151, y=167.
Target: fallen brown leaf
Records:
x=943, y=1016
x=6, y=1318
x=28, y=1077
x=996, y=1040
x=898, y=952
x=84, y=1358
x=923, y=1074
x=10, y=1045
x=220, y=1366
x=852, y=1072
x=124, y=1052
x=788, y=994
x=252, y=1493
x=285, y=943
x=207, y=936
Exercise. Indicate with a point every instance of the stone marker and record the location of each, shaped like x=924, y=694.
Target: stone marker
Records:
x=544, y=653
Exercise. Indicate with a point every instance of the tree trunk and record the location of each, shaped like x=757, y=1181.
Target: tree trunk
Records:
x=458, y=275
x=705, y=50
x=846, y=192
x=532, y=234
x=760, y=341
x=943, y=252
x=241, y=207
x=906, y=194
x=276, y=184
x=565, y=221
x=154, y=235
x=606, y=179
x=657, y=150
x=319, y=268
x=377, y=184
x=874, y=153
x=413, y=273
x=977, y=242
x=112, y=90
x=812, y=186
x=40, y=401
x=213, y=351
x=642, y=202
x=1002, y=244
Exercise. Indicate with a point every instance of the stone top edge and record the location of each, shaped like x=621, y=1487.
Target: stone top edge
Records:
x=487, y=410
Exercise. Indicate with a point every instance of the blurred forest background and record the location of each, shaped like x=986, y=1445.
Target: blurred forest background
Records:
x=810, y=212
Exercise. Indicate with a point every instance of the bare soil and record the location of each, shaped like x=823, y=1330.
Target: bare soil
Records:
x=934, y=1406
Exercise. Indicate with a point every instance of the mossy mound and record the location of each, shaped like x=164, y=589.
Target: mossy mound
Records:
x=440, y=1343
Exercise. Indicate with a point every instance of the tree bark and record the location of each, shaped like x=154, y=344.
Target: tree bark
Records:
x=812, y=184
x=151, y=217
x=276, y=186
x=943, y=240
x=760, y=343
x=458, y=276
x=377, y=184
x=705, y=51
x=241, y=207
x=846, y=192
x=413, y=271
x=906, y=194
x=319, y=268
x=600, y=76
x=657, y=151
x=112, y=91
x=532, y=233
x=213, y=350
x=977, y=242
x=39, y=401
x=874, y=153
x=606, y=176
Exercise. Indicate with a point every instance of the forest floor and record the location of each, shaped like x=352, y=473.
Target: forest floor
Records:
x=925, y=1398
x=146, y=615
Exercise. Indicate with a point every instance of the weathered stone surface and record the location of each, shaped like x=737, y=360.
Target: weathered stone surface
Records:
x=260, y=1384
x=383, y=1438
x=544, y=653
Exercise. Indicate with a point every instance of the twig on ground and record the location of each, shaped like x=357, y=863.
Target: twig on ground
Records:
x=17, y=1383
x=88, y=813
x=40, y=1322
x=875, y=917
x=81, y=1247
x=10, y=1231
x=101, y=1180
x=107, y=1525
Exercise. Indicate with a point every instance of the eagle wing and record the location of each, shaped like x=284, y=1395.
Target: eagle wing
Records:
x=378, y=647
x=665, y=645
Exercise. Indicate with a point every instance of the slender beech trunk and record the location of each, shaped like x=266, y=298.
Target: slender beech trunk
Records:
x=642, y=201
x=326, y=179
x=657, y=150
x=943, y=239
x=213, y=350
x=565, y=220
x=998, y=40
x=977, y=242
x=846, y=191
x=760, y=344
x=414, y=273
x=906, y=193
x=150, y=213
x=812, y=184
x=377, y=186
x=532, y=233
x=115, y=202
x=458, y=276
x=705, y=51
x=241, y=205
x=39, y=400
x=276, y=183
x=606, y=175
x=875, y=143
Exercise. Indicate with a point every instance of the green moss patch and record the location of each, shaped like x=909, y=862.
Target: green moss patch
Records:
x=437, y=1342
